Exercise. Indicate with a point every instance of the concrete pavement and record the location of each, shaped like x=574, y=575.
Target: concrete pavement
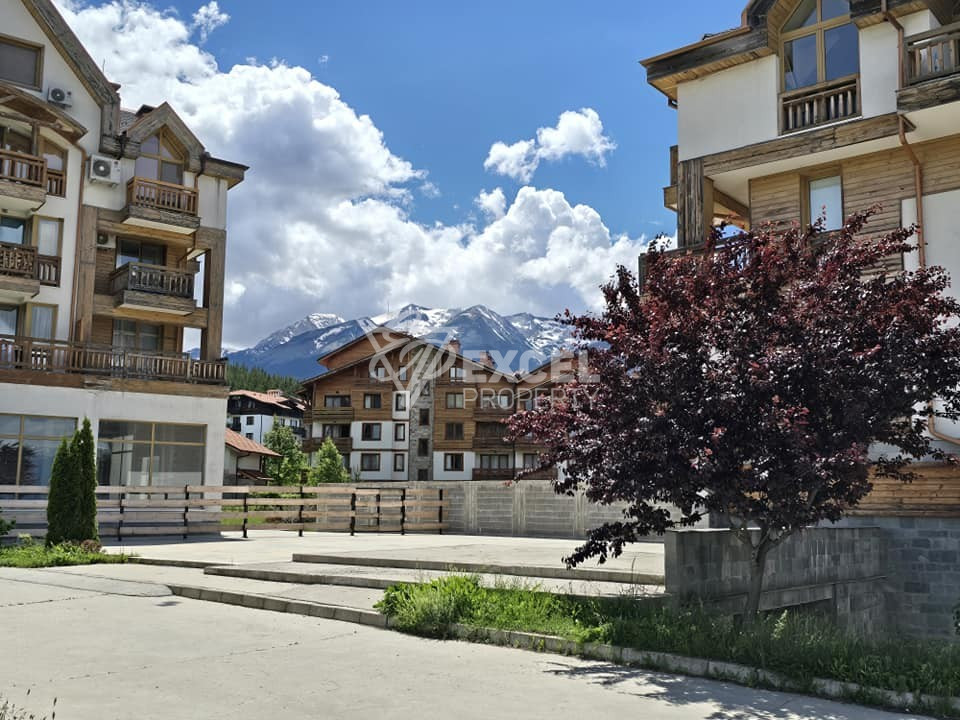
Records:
x=104, y=656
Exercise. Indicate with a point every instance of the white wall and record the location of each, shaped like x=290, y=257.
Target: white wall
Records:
x=110, y=405
x=469, y=462
x=386, y=466
x=728, y=109
x=879, y=70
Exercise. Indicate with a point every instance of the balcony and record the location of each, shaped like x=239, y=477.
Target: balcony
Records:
x=931, y=68
x=819, y=105
x=156, y=288
x=494, y=473
x=491, y=442
x=23, y=181
x=492, y=413
x=329, y=415
x=162, y=206
x=313, y=444
x=66, y=358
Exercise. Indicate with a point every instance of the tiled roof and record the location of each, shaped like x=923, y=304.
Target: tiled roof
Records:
x=281, y=401
x=246, y=446
x=127, y=118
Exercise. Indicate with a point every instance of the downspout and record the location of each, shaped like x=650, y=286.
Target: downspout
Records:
x=918, y=194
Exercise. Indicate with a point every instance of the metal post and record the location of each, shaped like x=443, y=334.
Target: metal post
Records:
x=440, y=513
x=403, y=511
x=353, y=512
x=186, y=509
x=246, y=494
x=300, y=514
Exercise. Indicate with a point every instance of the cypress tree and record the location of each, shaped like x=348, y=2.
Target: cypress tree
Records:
x=62, y=500
x=85, y=458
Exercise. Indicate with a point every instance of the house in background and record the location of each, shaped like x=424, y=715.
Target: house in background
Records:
x=243, y=460
x=254, y=414
x=112, y=245
x=828, y=107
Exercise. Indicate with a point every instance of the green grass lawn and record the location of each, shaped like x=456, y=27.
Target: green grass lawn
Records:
x=32, y=554
x=796, y=645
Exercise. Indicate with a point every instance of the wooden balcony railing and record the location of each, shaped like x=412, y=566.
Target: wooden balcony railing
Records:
x=56, y=356
x=494, y=473
x=48, y=270
x=161, y=196
x=22, y=168
x=152, y=279
x=820, y=104
x=330, y=415
x=492, y=442
x=56, y=183
x=18, y=260
x=932, y=54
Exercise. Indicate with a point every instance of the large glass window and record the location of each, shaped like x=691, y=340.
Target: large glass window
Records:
x=135, y=251
x=495, y=462
x=47, y=232
x=9, y=317
x=28, y=445
x=335, y=401
x=20, y=63
x=13, y=230
x=133, y=335
x=41, y=321
x=147, y=453
x=826, y=200
x=820, y=44
x=160, y=160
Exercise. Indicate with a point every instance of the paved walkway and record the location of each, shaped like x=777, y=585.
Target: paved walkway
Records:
x=105, y=655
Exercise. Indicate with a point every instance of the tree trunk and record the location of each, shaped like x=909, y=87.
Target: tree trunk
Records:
x=758, y=561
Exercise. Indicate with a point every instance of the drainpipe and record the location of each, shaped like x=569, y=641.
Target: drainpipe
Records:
x=918, y=193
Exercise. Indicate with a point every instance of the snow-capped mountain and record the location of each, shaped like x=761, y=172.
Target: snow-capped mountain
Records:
x=517, y=342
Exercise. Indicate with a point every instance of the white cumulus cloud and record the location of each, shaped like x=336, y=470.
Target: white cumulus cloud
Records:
x=577, y=132
x=208, y=18
x=322, y=221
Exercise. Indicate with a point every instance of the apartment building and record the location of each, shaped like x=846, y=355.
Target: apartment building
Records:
x=401, y=409
x=254, y=414
x=112, y=246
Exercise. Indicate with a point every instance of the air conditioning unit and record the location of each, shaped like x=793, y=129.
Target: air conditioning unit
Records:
x=106, y=241
x=59, y=96
x=104, y=170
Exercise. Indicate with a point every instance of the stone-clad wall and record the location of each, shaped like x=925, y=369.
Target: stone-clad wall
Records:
x=836, y=569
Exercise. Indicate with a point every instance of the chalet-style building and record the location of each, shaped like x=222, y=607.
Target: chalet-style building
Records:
x=112, y=244
x=244, y=459
x=401, y=409
x=254, y=414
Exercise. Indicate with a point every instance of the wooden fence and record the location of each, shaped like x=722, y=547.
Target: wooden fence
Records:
x=203, y=509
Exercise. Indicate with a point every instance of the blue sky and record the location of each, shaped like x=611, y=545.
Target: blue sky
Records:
x=349, y=113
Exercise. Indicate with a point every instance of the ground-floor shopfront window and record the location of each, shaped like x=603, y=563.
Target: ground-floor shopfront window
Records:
x=28, y=445
x=149, y=453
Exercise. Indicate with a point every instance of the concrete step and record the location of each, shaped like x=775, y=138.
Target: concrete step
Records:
x=368, y=576
x=627, y=577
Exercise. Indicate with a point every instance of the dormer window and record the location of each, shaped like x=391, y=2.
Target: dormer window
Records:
x=820, y=55
x=160, y=160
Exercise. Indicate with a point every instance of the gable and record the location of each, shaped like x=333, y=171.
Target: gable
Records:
x=148, y=123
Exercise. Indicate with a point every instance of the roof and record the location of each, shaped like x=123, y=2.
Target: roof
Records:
x=246, y=446
x=281, y=401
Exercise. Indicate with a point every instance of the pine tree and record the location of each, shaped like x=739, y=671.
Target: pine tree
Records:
x=329, y=467
x=62, y=500
x=85, y=457
x=288, y=468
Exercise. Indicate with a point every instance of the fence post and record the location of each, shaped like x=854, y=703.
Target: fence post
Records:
x=246, y=494
x=300, y=513
x=378, y=511
x=120, y=519
x=353, y=512
x=440, y=511
x=403, y=511
x=186, y=509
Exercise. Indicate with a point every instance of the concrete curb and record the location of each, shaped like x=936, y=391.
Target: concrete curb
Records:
x=193, y=564
x=539, y=571
x=281, y=576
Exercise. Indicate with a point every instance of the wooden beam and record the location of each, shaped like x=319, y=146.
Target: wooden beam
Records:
x=929, y=94
x=105, y=306
x=215, y=268
x=694, y=202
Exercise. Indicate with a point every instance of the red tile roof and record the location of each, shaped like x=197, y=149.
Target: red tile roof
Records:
x=246, y=446
x=281, y=401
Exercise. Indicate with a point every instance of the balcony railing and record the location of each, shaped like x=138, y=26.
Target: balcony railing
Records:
x=494, y=473
x=48, y=270
x=157, y=279
x=18, y=260
x=332, y=415
x=56, y=183
x=56, y=356
x=493, y=442
x=933, y=54
x=158, y=195
x=819, y=105
x=22, y=168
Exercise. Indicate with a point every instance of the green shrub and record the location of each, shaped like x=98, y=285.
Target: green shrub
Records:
x=6, y=526
x=31, y=554
x=72, y=501
x=329, y=465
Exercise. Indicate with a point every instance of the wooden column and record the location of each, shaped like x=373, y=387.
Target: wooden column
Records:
x=694, y=203
x=85, y=274
x=214, y=269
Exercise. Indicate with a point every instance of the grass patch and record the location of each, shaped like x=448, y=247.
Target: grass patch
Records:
x=30, y=554
x=797, y=645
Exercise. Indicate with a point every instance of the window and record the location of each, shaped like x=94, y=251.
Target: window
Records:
x=400, y=402
x=28, y=445
x=456, y=374
x=147, y=453
x=370, y=461
x=47, y=233
x=370, y=432
x=495, y=462
x=249, y=436
x=453, y=462
x=249, y=420
x=530, y=460
x=336, y=431
x=820, y=44
x=133, y=335
x=41, y=321
x=423, y=448
x=402, y=374
x=453, y=431
x=424, y=416
x=159, y=160
x=13, y=230
x=135, y=251
x=336, y=401
x=21, y=63
x=398, y=462
x=399, y=432
x=494, y=430
x=56, y=159
x=825, y=199
x=454, y=400
x=423, y=475
x=371, y=401
x=9, y=319
x=378, y=373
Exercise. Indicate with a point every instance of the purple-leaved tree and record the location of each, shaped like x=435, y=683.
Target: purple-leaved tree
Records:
x=760, y=381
